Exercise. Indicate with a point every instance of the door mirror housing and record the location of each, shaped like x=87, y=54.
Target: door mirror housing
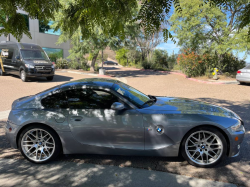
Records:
x=117, y=106
x=18, y=57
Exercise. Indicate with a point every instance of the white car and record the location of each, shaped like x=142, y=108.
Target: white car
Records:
x=243, y=75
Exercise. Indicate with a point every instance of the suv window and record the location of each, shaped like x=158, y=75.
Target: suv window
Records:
x=90, y=99
x=55, y=101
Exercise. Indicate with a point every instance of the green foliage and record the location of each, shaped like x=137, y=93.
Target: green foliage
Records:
x=80, y=64
x=205, y=27
x=54, y=56
x=194, y=65
x=121, y=56
x=161, y=58
x=16, y=21
x=62, y=63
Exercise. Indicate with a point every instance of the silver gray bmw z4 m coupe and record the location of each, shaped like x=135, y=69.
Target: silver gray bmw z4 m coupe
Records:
x=105, y=116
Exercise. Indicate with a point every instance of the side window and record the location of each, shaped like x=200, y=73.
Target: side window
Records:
x=55, y=101
x=90, y=99
x=10, y=53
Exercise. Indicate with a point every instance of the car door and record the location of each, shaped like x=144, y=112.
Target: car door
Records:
x=8, y=65
x=94, y=123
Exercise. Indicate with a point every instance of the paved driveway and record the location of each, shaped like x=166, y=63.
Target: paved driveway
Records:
x=235, y=97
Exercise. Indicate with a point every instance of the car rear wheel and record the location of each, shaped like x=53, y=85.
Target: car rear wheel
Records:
x=50, y=78
x=242, y=83
x=23, y=76
x=204, y=147
x=39, y=144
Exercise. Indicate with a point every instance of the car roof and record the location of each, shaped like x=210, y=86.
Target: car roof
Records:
x=89, y=82
x=20, y=45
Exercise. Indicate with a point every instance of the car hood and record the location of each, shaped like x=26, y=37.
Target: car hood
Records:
x=188, y=106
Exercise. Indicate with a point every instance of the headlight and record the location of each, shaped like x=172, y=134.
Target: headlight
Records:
x=237, y=127
x=29, y=66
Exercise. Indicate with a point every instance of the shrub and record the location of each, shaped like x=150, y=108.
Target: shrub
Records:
x=81, y=64
x=61, y=63
x=191, y=63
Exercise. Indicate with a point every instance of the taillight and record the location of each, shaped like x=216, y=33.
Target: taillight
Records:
x=238, y=71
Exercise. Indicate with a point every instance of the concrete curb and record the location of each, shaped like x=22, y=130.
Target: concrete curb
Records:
x=83, y=73
x=4, y=114
x=192, y=79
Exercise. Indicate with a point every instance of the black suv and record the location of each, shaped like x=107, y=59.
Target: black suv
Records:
x=25, y=60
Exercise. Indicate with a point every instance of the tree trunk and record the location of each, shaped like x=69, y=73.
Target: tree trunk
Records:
x=8, y=36
x=92, y=66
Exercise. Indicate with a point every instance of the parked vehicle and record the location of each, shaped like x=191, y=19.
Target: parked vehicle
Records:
x=25, y=60
x=110, y=63
x=106, y=116
x=243, y=75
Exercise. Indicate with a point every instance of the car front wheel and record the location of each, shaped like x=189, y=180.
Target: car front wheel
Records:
x=23, y=76
x=39, y=144
x=204, y=147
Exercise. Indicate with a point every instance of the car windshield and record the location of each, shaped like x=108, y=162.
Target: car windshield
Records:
x=34, y=54
x=247, y=67
x=131, y=94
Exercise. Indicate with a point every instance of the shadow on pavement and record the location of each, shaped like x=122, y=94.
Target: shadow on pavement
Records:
x=57, y=78
x=234, y=170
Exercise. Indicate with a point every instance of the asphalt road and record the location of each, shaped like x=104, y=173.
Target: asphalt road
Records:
x=235, y=97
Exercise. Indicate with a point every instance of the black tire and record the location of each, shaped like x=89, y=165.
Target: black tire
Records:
x=56, y=138
x=50, y=78
x=1, y=72
x=209, y=129
x=242, y=83
x=23, y=76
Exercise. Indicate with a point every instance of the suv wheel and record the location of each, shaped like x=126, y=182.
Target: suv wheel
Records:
x=23, y=76
x=1, y=72
x=50, y=78
x=204, y=147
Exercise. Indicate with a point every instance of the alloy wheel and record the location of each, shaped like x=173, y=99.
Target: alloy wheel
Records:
x=38, y=145
x=204, y=147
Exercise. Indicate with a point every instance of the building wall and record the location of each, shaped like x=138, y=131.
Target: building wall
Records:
x=42, y=39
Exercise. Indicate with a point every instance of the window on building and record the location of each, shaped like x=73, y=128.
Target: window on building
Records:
x=53, y=53
x=46, y=28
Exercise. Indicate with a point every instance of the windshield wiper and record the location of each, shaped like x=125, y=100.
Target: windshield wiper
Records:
x=149, y=101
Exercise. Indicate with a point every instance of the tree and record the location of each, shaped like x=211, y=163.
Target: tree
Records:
x=13, y=22
x=204, y=27
x=93, y=45
x=121, y=56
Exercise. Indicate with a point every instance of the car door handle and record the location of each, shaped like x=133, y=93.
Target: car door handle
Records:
x=76, y=118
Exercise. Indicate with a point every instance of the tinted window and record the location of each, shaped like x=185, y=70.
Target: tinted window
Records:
x=55, y=101
x=46, y=28
x=90, y=99
x=131, y=94
x=10, y=53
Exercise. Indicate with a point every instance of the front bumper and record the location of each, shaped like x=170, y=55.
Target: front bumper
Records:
x=235, y=140
x=11, y=134
x=40, y=73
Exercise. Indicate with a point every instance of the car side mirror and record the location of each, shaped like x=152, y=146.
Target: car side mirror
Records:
x=117, y=106
x=18, y=57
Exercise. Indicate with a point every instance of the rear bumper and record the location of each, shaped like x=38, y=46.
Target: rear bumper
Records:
x=241, y=78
